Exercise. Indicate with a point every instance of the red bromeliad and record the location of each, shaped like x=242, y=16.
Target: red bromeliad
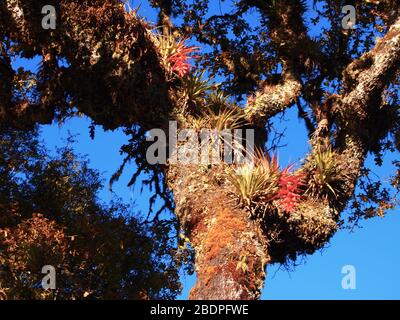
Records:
x=179, y=61
x=289, y=192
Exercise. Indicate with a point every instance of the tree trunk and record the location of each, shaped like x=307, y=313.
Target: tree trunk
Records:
x=231, y=251
x=230, y=261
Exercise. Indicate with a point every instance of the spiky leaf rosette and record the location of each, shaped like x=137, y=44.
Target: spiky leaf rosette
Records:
x=176, y=53
x=227, y=118
x=194, y=89
x=326, y=174
x=179, y=61
x=256, y=181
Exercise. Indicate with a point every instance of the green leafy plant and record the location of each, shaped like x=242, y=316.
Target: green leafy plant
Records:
x=249, y=182
x=258, y=180
x=218, y=99
x=324, y=172
x=195, y=87
x=227, y=118
x=216, y=112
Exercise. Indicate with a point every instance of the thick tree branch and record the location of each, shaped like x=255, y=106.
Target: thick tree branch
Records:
x=361, y=110
x=273, y=99
x=114, y=73
x=366, y=77
x=289, y=38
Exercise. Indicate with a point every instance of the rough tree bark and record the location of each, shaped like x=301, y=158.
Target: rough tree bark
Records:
x=231, y=250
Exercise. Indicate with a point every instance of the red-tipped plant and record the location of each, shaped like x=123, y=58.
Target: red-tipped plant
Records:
x=176, y=53
x=179, y=61
x=289, y=189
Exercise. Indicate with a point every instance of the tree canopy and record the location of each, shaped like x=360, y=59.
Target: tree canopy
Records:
x=122, y=71
x=51, y=215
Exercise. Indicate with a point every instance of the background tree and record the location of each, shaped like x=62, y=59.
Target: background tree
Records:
x=121, y=71
x=51, y=215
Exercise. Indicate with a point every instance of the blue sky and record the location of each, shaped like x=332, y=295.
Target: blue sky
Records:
x=373, y=249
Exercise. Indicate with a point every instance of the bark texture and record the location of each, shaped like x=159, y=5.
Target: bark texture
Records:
x=231, y=251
